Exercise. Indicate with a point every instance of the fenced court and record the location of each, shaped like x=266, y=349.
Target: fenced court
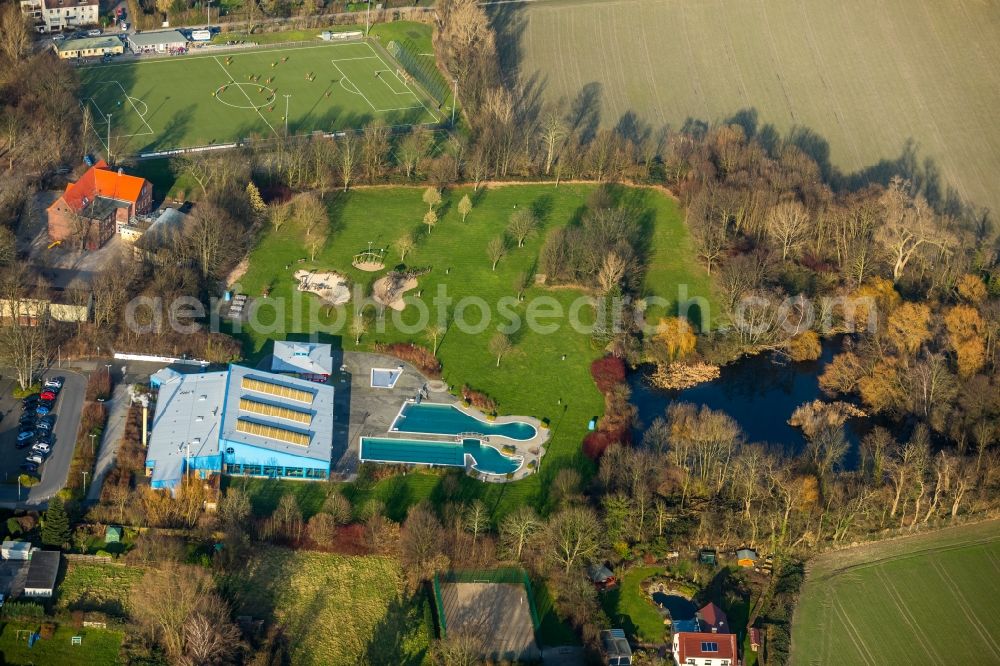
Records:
x=495, y=607
x=216, y=99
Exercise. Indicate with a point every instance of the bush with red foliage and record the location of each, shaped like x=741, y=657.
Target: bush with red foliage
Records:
x=479, y=400
x=607, y=372
x=419, y=357
x=596, y=443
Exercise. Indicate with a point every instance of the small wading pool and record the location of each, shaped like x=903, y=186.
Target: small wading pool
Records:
x=438, y=419
x=385, y=377
x=409, y=451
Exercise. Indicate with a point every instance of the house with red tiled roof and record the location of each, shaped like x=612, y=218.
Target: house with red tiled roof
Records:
x=713, y=619
x=92, y=209
x=705, y=649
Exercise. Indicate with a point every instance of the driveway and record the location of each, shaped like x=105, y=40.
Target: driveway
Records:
x=56, y=469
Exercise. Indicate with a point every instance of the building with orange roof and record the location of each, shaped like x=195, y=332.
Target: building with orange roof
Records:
x=92, y=209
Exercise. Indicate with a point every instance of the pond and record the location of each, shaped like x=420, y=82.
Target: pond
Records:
x=680, y=609
x=760, y=392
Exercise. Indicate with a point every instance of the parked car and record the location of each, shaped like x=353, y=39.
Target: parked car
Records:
x=25, y=435
x=29, y=467
x=48, y=418
x=26, y=427
x=27, y=419
x=96, y=32
x=44, y=437
x=58, y=38
x=48, y=394
x=55, y=382
x=42, y=410
x=44, y=426
x=35, y=458
x=42, y=448
x=29, y=400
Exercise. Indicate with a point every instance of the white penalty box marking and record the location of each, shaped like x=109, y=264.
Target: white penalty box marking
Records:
x=379, y=73
x=132, y=102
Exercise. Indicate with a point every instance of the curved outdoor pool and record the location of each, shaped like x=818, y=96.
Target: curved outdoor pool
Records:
x=452, y=454
x=428, y=418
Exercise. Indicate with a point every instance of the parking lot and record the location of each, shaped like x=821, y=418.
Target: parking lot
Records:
x=55, y=469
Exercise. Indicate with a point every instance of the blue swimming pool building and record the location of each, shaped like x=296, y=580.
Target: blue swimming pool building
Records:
x=239, y=421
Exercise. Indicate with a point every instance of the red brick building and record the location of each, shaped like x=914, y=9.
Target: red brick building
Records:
x=92, y=209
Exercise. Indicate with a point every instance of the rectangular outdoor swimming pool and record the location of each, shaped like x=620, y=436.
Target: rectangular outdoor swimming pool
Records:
x=487, y=459
x=428, y=418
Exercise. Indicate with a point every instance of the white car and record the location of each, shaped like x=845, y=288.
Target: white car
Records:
x=58, y=38
x=94, y=33
x=35, y=458
x=41, y=448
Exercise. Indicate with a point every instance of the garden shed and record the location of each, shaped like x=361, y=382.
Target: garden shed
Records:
x=113, y=534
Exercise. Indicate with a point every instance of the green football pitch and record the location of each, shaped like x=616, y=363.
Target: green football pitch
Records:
x=201, y=100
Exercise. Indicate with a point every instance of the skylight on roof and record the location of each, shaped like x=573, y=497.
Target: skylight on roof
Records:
x=709, y=647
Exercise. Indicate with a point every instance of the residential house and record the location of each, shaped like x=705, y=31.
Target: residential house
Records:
x=713, y=619
x=56, y=15
x=705, y=649
x=91, y=210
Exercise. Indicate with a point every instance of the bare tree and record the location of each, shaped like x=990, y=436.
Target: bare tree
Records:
x=279, y=213
x=432, y=197
x=359, y=326
x=572, y=537
x=347, y=158
x=516, y=531
x=209, y=238
x=500, y=346
x=465, y=207
x=522, y=224
x=15, y=35
x=496, y=250
x=788, y=224
x=908, y=226
x=430, y=219
x=404, y=245
x=435, y=333
x=552, y=132
x=412, y=149
x=375, y=149
x=310, y=213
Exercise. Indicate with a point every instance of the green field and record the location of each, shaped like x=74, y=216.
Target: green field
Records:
x=629, y=607
x=199, y=100
x=867, y=77
x=97, y=587
x=334, y=609
x=98, y=646
x=535, y=380
x=929, y=599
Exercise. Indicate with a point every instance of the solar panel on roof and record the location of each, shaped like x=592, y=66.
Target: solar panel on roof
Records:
x=265, y=409
x=709, y=647
x=260, y=386
x=272, y=432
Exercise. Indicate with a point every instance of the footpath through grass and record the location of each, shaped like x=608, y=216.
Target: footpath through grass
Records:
x=928, y=599
x=547, y=374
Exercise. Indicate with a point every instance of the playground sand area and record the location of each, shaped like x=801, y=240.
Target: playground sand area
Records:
x=329, y=286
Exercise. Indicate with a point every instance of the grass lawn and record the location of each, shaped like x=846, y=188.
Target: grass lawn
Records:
x=631, y=609
x=418, y=34
x=96, y=587
x=928, y=599
x=99, y=646
x=335, y=609
x=534, y=380
x=199, y=99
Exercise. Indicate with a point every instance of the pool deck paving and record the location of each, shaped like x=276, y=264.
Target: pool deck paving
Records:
x=360, y=410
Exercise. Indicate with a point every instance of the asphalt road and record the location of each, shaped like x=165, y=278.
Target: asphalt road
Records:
x=56, y=468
